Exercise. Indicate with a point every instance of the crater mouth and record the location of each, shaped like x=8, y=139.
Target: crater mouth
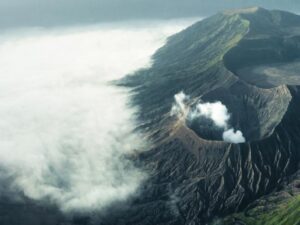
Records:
x=254, y=111
x=212, y=121
x=206, y=129
x=271, y=75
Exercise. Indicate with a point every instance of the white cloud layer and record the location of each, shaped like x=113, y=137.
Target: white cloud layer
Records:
x=64, y=131
x=215, y=111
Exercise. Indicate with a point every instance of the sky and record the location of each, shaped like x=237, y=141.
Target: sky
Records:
x=16, y=13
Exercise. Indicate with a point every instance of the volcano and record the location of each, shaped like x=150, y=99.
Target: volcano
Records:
x=247, y=59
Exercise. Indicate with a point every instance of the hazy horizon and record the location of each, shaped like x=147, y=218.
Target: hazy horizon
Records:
x=45, y=13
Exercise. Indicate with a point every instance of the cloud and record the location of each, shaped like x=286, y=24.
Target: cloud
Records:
x=65, y=133
x=180, y=107
x=217, y=112
x=233, y=137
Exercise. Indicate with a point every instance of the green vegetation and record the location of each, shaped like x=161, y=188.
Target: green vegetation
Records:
x=285, y=213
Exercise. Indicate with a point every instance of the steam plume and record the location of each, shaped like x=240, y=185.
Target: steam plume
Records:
x=180, y=107
x=215, y=111
x=233, y=137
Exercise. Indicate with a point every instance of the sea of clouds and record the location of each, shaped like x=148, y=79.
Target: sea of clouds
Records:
x=64, y=130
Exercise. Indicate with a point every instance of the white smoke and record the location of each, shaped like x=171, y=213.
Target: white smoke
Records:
x=216, y=111
x=233, y=137
x=64, y=132
x=180, y=107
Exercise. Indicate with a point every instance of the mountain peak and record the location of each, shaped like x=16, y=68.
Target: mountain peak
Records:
x=250, y=10
x=247, y=59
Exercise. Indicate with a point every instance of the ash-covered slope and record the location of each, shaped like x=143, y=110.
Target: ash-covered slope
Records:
x=193, y=180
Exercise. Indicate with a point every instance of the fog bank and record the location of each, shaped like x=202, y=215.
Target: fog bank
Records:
x=65, y=132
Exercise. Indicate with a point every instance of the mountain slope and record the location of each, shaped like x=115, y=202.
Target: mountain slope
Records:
x=192, y=179
x=280, y=208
